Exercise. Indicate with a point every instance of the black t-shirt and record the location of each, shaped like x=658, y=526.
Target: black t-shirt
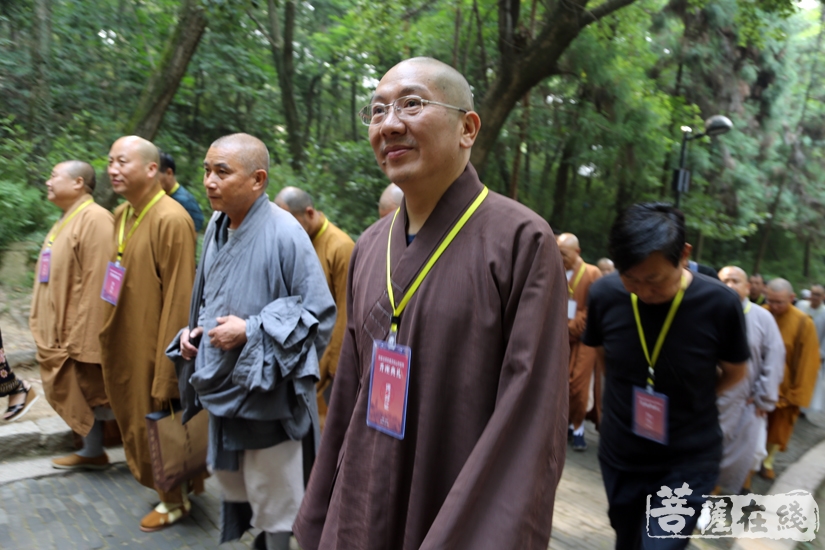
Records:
x=708, y=327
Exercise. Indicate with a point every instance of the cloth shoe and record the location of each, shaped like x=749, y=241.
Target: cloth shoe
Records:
x=767, y=473
x=76, y=462
x=579, y=444
x=163, y=516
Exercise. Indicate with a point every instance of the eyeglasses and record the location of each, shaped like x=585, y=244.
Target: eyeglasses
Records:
x=405, y=107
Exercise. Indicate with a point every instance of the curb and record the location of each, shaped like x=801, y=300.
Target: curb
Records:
x=806, y=474
x=47, y=435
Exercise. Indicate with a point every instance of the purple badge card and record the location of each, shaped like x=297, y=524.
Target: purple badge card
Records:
x=112, y=283
x=389, y=387
x=45, y=265
x=650, y=415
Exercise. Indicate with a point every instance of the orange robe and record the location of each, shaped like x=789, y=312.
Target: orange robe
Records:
x=801, y=369
x=152, y=306
x=334, y=249
x=67, y=314
x=583, y=359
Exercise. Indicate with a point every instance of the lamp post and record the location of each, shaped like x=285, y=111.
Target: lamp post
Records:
x=714, y=126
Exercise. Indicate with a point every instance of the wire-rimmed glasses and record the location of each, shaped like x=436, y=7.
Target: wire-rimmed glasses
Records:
x=405, y=107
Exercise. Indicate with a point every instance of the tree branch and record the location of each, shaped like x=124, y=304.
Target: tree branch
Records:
x=605, y=9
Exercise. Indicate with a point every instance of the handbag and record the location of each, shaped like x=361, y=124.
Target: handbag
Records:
x=177, y=451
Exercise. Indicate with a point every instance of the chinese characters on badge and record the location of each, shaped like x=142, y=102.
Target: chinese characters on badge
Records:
x=793, y=515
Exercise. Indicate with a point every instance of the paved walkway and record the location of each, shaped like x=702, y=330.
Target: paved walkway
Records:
x=102, y=509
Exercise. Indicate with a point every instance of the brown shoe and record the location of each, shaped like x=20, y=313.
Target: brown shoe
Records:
x=161, y=517
x=767, y=473
x=77, y=462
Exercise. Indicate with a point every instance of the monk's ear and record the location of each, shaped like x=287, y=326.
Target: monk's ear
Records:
x=260, y=180
x=152, y=170
x=470, y=125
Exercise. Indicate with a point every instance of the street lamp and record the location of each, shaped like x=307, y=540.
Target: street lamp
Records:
x=714, y=126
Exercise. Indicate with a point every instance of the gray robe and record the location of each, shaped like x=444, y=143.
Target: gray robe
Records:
x=262, y=393
x=737, y=417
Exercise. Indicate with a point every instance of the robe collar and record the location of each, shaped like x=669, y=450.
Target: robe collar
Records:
x=406, y=261
x=222, y=223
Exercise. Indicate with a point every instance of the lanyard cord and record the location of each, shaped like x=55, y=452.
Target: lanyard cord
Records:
x=321, y=231
x=174, y=188
x=54, y=235
x=121, y=242
x=397, y=310
x=651, y=361
x=572, y=289
x=748, y=307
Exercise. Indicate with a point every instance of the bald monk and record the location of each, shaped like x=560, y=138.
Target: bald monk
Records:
x=743, y=409
x=584, y=376
x=390, y=200
x=67, y=312
x=801, y=367
x=334, y=249
x=147, y=289
x=606, y=266
x=476, y=354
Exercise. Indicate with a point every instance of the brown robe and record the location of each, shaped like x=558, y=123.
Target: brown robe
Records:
x=583, y=358
x=334, y=249
x=153, y=305
x=67, y=314
x=801, y=369
x=485, y=434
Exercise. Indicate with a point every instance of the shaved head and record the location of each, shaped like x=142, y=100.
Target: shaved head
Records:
x=294, y=200
x=780, y=285
x=453, y=86
x=735, y=278
x=250, y=151
x=145, y=149
x=80, y=169
x=569, y=247
x=738, y=270
x=606, y=266
x=568, y=240
x=390, y=200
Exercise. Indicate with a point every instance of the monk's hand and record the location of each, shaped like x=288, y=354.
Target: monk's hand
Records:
x=187, y=350
x=229, y=334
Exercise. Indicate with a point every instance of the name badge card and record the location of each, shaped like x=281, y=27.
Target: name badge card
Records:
x=650, y=415
x=572, y=306
x=45, y=265
x=112, y=283
x=389, y=388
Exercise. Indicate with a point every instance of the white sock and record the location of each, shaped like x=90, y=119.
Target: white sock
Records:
x=579, y=430
x=93, y=443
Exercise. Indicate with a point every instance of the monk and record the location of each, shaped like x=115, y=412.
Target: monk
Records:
x=744, y=408
x=147, y=304
x=585, y=378
x=67, y=312
x=334, y=249
x=801, y=368
x=606, y=266
x=446, y=427
x=390, y=200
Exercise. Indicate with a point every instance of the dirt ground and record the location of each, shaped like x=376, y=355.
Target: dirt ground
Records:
x=19, y=344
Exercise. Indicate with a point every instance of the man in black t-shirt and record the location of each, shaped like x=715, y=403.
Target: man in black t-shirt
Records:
x=660, y=426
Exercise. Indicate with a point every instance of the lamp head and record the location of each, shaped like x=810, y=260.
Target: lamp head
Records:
x=718, y=125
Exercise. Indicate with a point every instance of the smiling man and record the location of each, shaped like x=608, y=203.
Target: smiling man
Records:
x=662, y=330
x=67, y=312
x=146, y=288
x=260, y=319
x=447, y=422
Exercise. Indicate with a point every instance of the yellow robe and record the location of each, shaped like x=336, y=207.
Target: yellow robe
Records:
x=153, y=304
x=801, y=369
x=583, y=358
x=67, y=314
x=334, y=248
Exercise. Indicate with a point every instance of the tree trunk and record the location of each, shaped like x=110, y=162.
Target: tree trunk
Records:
x=164, y=82
x=806, y=260
x=522, y=68
x=40, y=98
x=557, y=218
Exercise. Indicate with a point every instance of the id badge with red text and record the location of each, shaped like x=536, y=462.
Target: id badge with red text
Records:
x=112, y=283
x=45, y=265
x=650, y=415
x=389, y=388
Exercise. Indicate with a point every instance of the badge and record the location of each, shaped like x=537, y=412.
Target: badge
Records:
x=572, y=306
x=650, y=415
x=112, y=283
x=389, y=387
x=45, y=265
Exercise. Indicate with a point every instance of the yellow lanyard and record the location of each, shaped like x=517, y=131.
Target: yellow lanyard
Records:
x=651, y=361
x=321, y=231
x=54, y=235
x=174, y=188
x=578, y=278
x=397, y=310
x=121, y=242
x=748, y=307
